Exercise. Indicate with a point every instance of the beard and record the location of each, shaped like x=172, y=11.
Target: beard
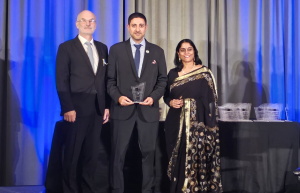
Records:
x=137, y=36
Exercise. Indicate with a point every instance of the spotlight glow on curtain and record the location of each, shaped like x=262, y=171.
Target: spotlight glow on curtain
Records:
x=36, y=28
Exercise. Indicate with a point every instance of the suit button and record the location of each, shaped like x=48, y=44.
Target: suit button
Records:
x=95, y=91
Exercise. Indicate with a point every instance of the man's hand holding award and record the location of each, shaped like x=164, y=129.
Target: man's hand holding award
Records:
x=138, y=96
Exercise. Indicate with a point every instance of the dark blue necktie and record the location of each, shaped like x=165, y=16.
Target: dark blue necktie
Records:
x=137, y=57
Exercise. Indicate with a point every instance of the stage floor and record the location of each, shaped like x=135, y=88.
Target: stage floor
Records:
x=23, y=189
x=41, y=189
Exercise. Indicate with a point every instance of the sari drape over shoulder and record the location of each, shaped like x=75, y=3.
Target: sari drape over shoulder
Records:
x=192, y=134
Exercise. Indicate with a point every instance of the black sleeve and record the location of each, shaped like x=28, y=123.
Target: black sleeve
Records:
x=107, y=97
x=112, y=88
x=63, y=79
x=171, y=77
x=161, y=82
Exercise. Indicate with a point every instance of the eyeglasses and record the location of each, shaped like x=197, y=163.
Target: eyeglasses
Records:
x=85, y=21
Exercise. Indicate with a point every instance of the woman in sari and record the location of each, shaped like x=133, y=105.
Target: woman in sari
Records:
x=192, y=133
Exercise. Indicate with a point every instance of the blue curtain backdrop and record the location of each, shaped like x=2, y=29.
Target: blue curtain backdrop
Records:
x=291, y=47
x=33, y=29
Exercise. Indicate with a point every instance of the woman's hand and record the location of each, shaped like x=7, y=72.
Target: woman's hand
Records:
x=176, y=103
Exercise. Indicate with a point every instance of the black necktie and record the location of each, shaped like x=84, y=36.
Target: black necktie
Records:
x=137, y=57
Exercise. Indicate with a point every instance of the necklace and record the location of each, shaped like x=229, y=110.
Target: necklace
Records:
x=190, y=70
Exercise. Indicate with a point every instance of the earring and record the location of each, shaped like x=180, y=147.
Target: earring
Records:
x=179, y=60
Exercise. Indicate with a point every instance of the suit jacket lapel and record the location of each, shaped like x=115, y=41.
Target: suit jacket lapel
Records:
x=146, y=57
x=130, y=56
x=82, y=52
x=100, y=56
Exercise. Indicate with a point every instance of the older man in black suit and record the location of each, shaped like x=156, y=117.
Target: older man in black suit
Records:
x=80, y=81
x=133, y=62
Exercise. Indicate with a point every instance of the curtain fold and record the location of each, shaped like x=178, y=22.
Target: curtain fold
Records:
x=36, y=28
x=250, y=45
x=292, y=59
x=5, y=173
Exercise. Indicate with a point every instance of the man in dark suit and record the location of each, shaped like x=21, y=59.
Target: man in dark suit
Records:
x=81, y=86
x=133, y=62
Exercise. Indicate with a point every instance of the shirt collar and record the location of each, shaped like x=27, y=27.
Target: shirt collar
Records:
x=133, y=42
x=83, y=40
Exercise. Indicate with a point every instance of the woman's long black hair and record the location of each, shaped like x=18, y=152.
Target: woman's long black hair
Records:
x=178, y=63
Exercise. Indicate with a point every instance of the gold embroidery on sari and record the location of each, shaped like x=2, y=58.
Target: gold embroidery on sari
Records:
x=173, y=159
x=187, y=129
x=212, y=76
x=202, y=142
x=200, y=70
x=195, y=76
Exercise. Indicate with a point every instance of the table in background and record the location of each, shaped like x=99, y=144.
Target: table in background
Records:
x=259, y=157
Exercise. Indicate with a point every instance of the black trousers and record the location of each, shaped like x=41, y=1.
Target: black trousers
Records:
x=147, y=135
x=80, y=154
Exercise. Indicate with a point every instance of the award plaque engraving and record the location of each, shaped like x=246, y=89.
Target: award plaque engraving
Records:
x=138, y=92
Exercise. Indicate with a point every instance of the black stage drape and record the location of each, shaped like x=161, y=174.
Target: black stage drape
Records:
x=256, y=157
x=259, y=157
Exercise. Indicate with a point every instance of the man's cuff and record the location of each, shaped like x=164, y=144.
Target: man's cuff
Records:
x=154, y=99
x=116, y=98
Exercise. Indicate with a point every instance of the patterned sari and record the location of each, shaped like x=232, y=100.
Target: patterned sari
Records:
x=192, y=134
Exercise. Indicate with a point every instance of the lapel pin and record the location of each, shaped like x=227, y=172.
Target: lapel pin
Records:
x=104, y=62
x=147, y=51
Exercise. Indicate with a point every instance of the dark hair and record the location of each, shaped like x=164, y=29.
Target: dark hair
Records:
x=178, y=63
x=136, y=15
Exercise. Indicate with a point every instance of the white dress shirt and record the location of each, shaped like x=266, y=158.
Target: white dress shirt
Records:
x=142, y=53
x=95, y=53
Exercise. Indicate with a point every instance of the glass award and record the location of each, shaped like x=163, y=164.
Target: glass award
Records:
x=138, y=92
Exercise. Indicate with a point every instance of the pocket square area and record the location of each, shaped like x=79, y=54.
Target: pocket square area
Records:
x=154, y=62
